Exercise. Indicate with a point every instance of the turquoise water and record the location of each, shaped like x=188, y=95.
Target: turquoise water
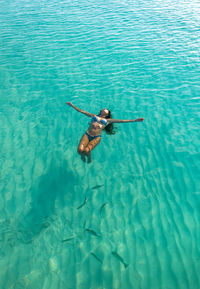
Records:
x=139, y=59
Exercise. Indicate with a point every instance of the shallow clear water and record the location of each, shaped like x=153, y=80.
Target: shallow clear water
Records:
x=140, y=59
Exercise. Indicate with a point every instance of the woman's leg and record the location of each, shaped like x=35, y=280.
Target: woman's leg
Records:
x=85, y=147
x=83, y=144
x=92, y=144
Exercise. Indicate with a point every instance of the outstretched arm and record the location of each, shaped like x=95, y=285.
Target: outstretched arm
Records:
x=111, y=120
x=80, y=110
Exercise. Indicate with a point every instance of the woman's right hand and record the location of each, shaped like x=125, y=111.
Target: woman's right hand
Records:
x=69, y=103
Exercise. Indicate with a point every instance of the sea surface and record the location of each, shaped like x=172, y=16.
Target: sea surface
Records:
x=130, y=219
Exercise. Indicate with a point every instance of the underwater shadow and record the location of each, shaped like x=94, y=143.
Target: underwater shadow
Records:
x=51, y=193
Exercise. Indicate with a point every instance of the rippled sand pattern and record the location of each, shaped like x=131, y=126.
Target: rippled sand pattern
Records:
x=130, y=219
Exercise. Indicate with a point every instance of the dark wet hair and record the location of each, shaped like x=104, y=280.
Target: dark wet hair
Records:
x=110, y=127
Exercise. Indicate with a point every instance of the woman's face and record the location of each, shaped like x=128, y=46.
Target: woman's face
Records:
x=104, y=112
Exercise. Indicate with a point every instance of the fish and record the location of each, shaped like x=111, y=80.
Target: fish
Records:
x=84, y=224
x=92, y=232
x=68, y=239
x=102, y=208
x=97, y=187
x=83, y=204
x=120, y=258
x=97, y=258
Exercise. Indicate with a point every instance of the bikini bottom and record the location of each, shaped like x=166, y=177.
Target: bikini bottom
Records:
x=91, y=137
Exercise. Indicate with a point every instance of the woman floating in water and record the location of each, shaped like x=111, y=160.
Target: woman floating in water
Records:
x=92, y=137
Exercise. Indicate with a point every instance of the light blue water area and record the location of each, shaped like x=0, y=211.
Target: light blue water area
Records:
x=142, y=189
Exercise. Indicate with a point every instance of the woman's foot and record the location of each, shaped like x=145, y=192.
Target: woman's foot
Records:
x=89, y=160
x=83, y=157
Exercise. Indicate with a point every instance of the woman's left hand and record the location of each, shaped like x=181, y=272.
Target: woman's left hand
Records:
x=139, y=119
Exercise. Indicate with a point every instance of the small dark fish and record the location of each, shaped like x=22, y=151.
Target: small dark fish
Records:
x=97, y=258
x=68, y=239
x=97, y=187
x=92, y=232
x=84, y=224
x=83, y=204
x=120, y=259
x=102, y=208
